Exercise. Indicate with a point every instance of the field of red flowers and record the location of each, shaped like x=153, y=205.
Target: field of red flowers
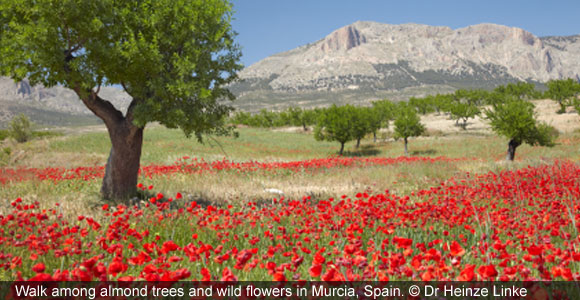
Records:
x=512, y=225
x=187, y=165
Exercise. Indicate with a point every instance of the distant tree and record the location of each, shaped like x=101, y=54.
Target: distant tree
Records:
x=422, y=105
x=463, y=111
x=295, y=116
x=576, y=105
x=442, y=103
x=522, y=90
x=383, y=112
x=20, y=128
x=563, y=92
x=335, y=124
x=363, y=122
x=302, y=117
x=407, y=124
x=516, y=120
x=173, y=58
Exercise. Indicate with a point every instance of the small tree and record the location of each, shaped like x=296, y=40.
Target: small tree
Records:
x=563, y=91
x=521, y=90
x=442, y=103
x=407, y=124
x=576, y=105
x=463, y=111
x=516, y=120
x=335, y=124
x=20, y=128
x=363, y=122
x=383, y=113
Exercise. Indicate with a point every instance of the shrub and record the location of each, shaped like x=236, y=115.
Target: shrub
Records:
x=20, y=128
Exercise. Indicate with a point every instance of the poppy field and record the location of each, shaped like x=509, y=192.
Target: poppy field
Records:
x=513, y=224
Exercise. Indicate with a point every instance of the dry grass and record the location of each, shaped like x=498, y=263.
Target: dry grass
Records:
x=163, y=146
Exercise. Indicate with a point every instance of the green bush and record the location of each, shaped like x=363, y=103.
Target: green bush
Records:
x=4, y=134
x=20, y=128
x=5, y=156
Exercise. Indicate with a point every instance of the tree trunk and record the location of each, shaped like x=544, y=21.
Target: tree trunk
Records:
x=304, y=126
x=341, y=148
x=511, y=153
x=562, y=107
x=122, y=170
x=357, y=143
x=406, y=149
x=374, y=137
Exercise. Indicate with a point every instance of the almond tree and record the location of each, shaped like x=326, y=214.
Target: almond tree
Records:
x=335, y=124
x=563, y=92
x=516, y=120
x=174, y=58
x=407, y=124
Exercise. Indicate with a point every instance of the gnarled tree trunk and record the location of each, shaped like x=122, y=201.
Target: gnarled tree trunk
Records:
x=122, y=170
x=511, y=153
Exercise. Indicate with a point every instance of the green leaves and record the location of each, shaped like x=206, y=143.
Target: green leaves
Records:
x=174, y=58
x=407, y=123
x=516, y=120
x=564, y=92
x=335, y=124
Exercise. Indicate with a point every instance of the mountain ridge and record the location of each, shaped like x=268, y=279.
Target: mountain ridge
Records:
x=381, y=59
x=356, y=63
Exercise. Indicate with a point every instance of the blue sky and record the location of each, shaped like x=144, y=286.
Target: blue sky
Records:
x=266, y=27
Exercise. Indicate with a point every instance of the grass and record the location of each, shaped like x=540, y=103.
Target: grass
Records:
x=164, y=146
x=484, y=153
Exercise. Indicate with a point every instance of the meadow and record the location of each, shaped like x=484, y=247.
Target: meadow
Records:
x=274, y=204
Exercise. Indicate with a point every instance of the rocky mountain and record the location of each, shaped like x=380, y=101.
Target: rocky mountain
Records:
x=369, y=60
x=51, y=106
x=357, y=63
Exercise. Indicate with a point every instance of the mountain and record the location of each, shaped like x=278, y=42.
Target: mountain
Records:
x=357, y=63
x=55, y=106
x=368, y=60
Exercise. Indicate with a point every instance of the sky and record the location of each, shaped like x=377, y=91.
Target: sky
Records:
x=267, y=27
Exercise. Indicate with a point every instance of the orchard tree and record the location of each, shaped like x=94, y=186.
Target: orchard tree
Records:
x=463, y=111
x=563, y=92
x=173, y=57
x=516, y=120
x=335, y=124
x=383, y=113
x=576, y=105
x=407, y=124
x=363, y=122
x=521, y=90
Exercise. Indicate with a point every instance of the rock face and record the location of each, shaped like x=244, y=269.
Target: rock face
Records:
x=367, y=60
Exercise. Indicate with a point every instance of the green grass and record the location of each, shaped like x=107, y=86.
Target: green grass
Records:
x=164, y=146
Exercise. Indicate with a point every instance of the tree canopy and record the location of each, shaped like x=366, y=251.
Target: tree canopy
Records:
x=563, y=91
x=515, y=119
x=407, y=124
x=173, y=57
x=335, y=124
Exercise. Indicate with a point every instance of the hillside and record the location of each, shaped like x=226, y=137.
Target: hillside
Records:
x=357, y=63
x=369, y=60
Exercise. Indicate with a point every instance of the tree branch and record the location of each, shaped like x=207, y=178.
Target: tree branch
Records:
x=99, y=106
